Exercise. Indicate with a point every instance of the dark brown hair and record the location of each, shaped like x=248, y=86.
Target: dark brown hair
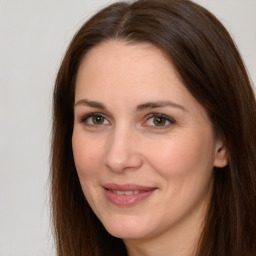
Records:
x=211, y=68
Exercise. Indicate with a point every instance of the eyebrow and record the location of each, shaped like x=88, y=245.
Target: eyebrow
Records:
x=92, y=104
x=141, y=107
x=159, y=104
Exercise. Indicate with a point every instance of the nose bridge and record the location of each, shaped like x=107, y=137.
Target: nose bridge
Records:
x=122, y=151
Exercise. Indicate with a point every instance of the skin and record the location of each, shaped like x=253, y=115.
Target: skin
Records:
x=125, y=144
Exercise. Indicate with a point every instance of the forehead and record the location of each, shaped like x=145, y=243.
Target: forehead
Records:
x=110, y=52
x=119, y=64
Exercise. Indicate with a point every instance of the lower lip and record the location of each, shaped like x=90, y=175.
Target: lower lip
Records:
x=127, y=200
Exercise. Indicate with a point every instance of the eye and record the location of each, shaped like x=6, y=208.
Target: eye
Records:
x=94, y=119
x=159, y=120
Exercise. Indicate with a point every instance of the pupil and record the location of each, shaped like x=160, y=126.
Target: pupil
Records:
x=159, y=121
x=98, y=120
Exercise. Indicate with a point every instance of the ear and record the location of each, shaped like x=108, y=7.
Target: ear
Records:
x=221, y=155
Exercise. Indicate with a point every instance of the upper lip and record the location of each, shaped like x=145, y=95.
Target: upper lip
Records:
x=127, y=187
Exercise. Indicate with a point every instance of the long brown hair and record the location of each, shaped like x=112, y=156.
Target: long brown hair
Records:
x=211, y=68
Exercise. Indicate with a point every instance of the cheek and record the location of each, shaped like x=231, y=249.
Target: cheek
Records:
x=87, y=155
x=88, y=158
x=185, y=165
x=182, y=155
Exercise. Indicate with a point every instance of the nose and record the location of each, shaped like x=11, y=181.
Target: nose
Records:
x=122, y=151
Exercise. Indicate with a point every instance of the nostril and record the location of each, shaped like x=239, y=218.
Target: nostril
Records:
x=116, y=163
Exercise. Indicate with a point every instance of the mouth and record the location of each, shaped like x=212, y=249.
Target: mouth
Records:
x=128, y=194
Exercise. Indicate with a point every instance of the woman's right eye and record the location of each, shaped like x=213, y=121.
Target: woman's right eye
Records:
x=94, y=120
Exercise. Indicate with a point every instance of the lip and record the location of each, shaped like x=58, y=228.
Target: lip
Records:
x=114, y=195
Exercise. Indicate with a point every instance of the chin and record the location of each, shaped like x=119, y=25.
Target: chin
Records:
x=128, y=229
x=126, y=234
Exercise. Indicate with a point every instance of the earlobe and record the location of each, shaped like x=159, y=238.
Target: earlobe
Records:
x=221, y=155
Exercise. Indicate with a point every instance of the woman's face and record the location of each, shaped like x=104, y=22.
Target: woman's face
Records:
x=144, y=148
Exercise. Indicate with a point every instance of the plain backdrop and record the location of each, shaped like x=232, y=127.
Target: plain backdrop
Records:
x=33, y=37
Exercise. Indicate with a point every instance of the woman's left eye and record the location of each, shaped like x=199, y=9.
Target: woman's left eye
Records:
x=159, y=120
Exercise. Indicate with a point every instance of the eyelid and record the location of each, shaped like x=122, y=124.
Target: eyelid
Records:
x=161, y=115
x=166, y=117
x=94, y=114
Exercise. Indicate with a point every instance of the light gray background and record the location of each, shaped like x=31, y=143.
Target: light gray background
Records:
x=33, y=37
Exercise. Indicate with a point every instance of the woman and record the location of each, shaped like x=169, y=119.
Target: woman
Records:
x=153, y=149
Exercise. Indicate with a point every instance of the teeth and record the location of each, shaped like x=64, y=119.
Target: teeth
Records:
x=127, y=193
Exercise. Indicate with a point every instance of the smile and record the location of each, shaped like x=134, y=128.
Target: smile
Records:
x=127, y=195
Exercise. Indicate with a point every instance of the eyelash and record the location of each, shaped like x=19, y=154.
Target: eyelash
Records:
x=164, y=118
x=85, y=118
